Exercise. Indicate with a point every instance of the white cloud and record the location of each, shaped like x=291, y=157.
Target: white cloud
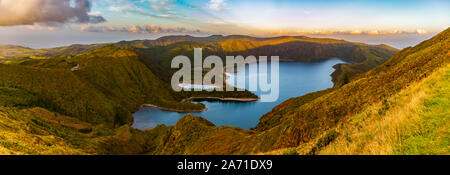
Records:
x=139, y=29
x=129, y=7
x=42, y=27
x=116, y=9
x=161, y=5
x=353, y=32
x=96, y=13
x=30, y=12
x=421, y=31
x=217, y=5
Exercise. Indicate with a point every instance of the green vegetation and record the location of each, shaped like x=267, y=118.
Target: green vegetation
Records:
x=414, y=121
x=429, y=134
x=80, y=101
x=13, y=97
x=24, y=132
x=290, y=152
x=39, y=131
x=109, y=84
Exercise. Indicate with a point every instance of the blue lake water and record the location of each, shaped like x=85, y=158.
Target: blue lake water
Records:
x=295, y=79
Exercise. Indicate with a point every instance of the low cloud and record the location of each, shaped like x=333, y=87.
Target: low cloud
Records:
x=138, y=29
x=353, y=32
x=379, y=32
x=45, y=26
x=136, y=10
x=31, y=12
x=161, y=5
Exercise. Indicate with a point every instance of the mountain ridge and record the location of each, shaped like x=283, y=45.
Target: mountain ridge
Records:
x=295, y=48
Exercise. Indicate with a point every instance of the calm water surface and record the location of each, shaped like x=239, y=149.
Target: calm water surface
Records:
x=296, y=79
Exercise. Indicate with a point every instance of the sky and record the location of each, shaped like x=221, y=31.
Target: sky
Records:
x=52, y=23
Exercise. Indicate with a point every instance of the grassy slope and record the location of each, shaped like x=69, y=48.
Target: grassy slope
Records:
x=58, y=90
x=415, y=121
x=39, y=131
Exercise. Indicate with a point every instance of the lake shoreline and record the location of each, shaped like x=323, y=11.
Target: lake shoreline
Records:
x=199, y=110
x=232, y=99
x=222, y=99
x=171, y=109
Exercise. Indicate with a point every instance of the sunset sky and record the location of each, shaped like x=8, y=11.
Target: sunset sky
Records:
x=50, y=23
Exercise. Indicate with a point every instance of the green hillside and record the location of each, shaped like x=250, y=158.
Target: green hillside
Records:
x=39, y=131
x=414, y=121
x=107, y=85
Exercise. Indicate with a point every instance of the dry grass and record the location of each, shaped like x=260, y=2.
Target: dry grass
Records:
x=402, y=124
x=20, y=136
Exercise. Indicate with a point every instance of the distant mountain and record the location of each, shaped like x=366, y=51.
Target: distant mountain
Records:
x=14, y=51
x=290, y=48
x=20, y=52
x=305, y=49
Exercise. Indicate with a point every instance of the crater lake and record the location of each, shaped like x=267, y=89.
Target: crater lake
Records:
x=295, y=79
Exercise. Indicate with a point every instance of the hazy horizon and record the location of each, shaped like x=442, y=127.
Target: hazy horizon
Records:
x=53, y=23
x=38, y=43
